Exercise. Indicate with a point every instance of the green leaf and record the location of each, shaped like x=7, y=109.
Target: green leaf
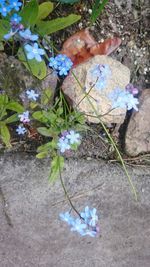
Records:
x=4, y=28
x=38, y=69
x=44, y=10
x=46, y=96
x=38, y=115
x=48, y=27
x=42, y=155
x=44, y=131
x=15, y=106
x=29, y=13
x=97, y=9
x=3, y=100
x=57, y=165
x=5, y=135
x=11, y=119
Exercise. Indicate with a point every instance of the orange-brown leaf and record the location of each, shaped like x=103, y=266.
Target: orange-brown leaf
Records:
x=105, y=48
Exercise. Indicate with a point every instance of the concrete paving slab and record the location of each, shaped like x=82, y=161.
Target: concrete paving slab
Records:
x=31, y=234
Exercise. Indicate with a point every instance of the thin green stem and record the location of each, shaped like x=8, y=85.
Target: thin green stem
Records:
x=112, y=141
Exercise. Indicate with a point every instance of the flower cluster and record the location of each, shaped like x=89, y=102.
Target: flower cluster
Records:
x=85, y=225
x=132, y=89
x=68, y=140
x=6, y=6
x=61, y=63
x=123, y=99
x=24, y=117
x=99, y=75
x=25, y=36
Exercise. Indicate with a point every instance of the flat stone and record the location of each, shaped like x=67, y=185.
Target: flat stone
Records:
x=32, y=235
x=76, y=89
x=138, y=132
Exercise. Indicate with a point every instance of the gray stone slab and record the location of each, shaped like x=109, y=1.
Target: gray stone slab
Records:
x=32, y=235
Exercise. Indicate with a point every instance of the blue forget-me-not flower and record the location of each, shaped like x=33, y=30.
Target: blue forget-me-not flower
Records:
x=32, y=95
x=24, y=117
x=67, y=140
x=61, y=63
x=33, y=51
x=21, y=130
x=28, y=36
x=99, y=73
x=123, y=99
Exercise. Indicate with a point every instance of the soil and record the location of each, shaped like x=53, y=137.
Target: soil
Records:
x=128, y=20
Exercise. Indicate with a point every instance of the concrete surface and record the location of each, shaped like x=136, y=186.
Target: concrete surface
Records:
x=31, y=235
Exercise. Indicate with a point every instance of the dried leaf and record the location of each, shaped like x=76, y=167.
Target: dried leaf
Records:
x=107, y=47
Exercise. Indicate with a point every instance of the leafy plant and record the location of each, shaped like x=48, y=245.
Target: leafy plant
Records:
x=97, y=9
x=6, y=106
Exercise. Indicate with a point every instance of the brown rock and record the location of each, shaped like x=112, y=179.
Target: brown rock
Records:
x=120, y=77
x=15, y=78
x=138, y=132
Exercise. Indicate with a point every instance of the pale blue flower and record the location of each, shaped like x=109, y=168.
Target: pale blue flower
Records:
x=24, y=117
x=90, y=216
x=27, y=35
x=122, y=99
x=79, y=227
x=99, y=73
x=66, y=217
x=21, y=130
x=33, y=51
x=10, y=34
x=63, y=144
x=73, y=137
x=32, y=95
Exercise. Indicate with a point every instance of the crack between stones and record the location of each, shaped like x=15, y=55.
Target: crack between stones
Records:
x=3, y=201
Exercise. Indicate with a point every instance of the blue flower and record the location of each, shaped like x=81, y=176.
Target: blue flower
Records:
x=32, y=95
x=27, y=35
x=14, y=4
x=79, y=227
x=63, y=144
x=4, y=10
x=10, y=34
x=73, y=137
x=21, y=130
x=66, y=217
x=90, y=216
x=34, y=52
x=24, y=117
x=15, y=18
x=61, y=63
x=123, y=99
x=99, y=75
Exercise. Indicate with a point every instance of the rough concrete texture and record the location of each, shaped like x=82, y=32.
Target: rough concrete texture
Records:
x=138, y=131
x=119, y=78
x=31, y=234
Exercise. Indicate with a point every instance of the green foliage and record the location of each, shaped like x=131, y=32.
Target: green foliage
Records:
x=97, y=9
x=57, y=165
x=44, y=10
x=4, y=28
x=29, y=13
x=49, y=27
x=5, y=106
x=68, y=1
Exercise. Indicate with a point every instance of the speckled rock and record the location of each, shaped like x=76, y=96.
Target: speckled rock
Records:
x=15, y=78
x=138, y=131
x=119, y=78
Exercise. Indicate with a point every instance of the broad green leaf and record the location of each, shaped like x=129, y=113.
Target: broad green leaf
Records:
x=48, y=27
x=38, y=115
x=5, y=135
x=15, y=106
x=38, y=69
x=44, y=131
x=46, y=96
x=4, y=28
x=57, y=165
x=41, y=155
x=3, y=99
x=44, y=10
x=48, y=146
x=29, y=13
x=12, y=118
